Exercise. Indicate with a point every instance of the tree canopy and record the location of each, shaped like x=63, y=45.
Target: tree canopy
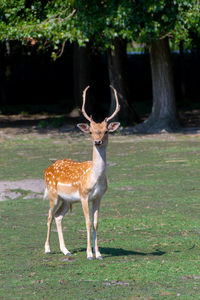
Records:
x=98, y=22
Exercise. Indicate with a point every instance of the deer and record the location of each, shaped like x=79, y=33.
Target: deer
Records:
x=68, y=182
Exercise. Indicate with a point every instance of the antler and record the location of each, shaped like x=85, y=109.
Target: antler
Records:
x=117, y=105
x=83, y=106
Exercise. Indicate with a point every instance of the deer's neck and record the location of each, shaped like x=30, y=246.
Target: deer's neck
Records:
x=99, y=162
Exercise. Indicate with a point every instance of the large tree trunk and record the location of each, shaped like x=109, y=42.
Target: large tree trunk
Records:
x=118, y=75
x=76, y=75
x=82, y=74
x=4, y=73
x=182, y=73
x=163, y=116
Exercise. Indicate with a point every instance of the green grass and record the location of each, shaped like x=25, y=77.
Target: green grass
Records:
x=149, y=223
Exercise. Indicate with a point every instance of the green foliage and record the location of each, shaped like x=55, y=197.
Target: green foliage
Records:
x=98, y=22
x=188, y=21
x=36, y=23
x=42, y=124
x=55, y=122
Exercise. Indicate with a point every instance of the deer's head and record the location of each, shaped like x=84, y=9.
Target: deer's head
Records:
x=99, y=131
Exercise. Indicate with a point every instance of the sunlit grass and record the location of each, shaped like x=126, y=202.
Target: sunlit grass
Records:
x=149, y=223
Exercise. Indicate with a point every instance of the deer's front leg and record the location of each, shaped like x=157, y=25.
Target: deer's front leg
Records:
x=95, y=213
x=85, y=206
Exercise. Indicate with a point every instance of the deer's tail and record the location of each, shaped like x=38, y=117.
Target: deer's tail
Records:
x=46, y=195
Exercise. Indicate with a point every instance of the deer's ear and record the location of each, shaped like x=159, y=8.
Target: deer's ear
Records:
x=84, y=127
x=113, y=126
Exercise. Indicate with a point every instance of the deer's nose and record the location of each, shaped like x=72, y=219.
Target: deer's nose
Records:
x=98, y=142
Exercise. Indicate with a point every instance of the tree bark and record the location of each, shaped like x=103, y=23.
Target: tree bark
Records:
x=5, y=72
x=164, y=115
x=82, y=75
x=182, y=73
x=76, y=75
x=118, y=75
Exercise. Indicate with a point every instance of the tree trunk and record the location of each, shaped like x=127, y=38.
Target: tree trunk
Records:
x=82, y=75
x=4, y=73
x=118, y=75
x=76, y=75
x=163, y=116
x=182, y=74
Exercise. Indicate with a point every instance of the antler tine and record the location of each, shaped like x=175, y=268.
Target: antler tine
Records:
x=117, y=109
x=83, y=106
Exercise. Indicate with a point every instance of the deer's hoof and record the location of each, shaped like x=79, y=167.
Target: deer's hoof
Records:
x=99, y=257
x=90, y=258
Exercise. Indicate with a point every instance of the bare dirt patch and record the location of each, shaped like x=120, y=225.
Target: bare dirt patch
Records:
x=14, y=189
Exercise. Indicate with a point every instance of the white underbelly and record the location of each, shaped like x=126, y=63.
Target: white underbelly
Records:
x=72, y=197
x=96, y=191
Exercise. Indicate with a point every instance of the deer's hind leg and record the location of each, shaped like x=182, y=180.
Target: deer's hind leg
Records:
x=54, y=201
x=60, y=213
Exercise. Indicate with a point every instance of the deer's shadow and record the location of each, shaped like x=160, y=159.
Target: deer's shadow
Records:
x=113, y=252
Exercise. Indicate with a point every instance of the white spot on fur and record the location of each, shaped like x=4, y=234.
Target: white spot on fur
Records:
x=64, y=184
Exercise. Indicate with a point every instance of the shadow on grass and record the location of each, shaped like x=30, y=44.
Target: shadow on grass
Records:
x=114, y=252
x=123, y=252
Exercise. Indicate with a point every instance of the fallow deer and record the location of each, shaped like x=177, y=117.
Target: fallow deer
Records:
x=69, y=181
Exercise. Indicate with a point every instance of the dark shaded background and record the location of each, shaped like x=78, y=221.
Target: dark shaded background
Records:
x=31, y=81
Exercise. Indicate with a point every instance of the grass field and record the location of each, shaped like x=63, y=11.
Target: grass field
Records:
x=149, y=231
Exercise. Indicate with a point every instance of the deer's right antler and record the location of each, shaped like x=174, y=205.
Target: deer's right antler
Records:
x=117, y=105
x=83, y=106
